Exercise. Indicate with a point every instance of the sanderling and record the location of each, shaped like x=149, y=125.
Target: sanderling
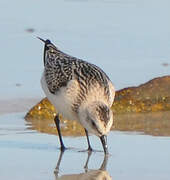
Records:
x=79, y=91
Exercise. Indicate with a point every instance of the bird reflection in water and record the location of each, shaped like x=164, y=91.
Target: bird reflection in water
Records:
x=99, y=174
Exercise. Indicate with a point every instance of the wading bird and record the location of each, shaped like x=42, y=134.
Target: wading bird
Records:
x=79, y=91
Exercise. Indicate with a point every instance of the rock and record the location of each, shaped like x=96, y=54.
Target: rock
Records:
x=149, y=97
x=153, y=96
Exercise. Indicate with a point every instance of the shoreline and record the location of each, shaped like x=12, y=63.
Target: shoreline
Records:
x=15, y=105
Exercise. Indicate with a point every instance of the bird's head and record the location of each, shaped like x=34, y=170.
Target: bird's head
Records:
x=97, y=118
x=49, y=48
x=48, y=44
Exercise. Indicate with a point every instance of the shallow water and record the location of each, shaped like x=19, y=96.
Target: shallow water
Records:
x=27, y=154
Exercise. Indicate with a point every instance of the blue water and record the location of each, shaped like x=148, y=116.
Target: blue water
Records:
x=129, y=39
x=27, y=154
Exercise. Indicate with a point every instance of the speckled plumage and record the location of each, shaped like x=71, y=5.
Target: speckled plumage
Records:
x=79, y=90
x=60, y=68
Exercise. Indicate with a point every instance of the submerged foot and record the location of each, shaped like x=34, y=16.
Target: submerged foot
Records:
x=63, y=148
x=89, y=150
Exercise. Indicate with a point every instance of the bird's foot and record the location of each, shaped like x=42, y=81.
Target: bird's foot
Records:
x=63, y=148
x=89, y=150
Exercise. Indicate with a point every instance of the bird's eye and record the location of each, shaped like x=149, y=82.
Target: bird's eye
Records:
x=47, y=41
x=93, y=124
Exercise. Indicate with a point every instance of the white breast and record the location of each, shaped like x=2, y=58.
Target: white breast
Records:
x=63, y=99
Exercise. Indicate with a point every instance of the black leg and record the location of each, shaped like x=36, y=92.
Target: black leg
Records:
x=57, y=122
x=104, y=143
x=88, y=141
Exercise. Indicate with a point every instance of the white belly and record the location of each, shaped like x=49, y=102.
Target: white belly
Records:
x=63, y=100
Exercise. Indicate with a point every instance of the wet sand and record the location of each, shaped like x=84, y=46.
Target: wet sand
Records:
x=15, y=105
x=28, y=154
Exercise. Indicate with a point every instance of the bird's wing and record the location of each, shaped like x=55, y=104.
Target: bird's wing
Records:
x=60, y=68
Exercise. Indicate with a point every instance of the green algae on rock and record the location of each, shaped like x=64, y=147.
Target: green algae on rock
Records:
x=152, y=96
